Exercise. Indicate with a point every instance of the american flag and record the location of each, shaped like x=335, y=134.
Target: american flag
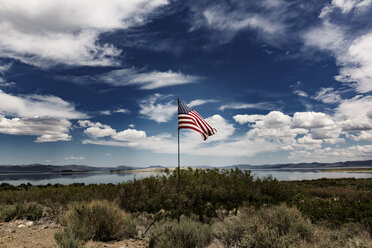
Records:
x=190, y=119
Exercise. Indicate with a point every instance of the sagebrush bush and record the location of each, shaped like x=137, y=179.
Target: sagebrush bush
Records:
x=97, y=220
x=28, y=211
x=269, y=227
x=186, y=234
x=67, y=240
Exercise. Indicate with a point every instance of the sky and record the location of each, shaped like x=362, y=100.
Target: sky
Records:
x=96, y=82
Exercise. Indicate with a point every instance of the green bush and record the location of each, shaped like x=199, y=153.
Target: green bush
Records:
x=29, y=211
x=186, y=234
x=97, y=220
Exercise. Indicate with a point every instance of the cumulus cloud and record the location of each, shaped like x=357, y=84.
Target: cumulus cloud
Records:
x=37, y=105
x=43, y=32
x=305, y=130
x=242, y=119
x=99, y=130
x=311, y=120
x=147, y=80
x=47, y=129
x=353, y=114
x=220, y=144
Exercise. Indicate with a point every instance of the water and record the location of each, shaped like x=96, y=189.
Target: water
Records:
x=115, y=178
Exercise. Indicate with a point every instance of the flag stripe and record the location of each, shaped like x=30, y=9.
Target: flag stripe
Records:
x=200, y=124
x=209, y=127
x=190, y=119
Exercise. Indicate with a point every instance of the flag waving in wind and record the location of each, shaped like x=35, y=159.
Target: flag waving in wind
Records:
x=190, y=119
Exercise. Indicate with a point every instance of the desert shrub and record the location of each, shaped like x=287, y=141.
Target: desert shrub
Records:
x=29, y=211
x=349, y=235
x=269, y=227
x=67, y=240
x=186, y=234
x=7, y=212
x=97, y=220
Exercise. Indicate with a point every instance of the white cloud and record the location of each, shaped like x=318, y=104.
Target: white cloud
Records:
x=129, y=135
x=75, y=158
x=266, y=18
x=328, y=95
x=99, y=130
x=242, y=119
x=220, y=144
x=245, y=106
x=353, y=114
x=110, y=112
x=158, y=108
x=161, y=108
x=327, y=36
x=43, y=32
x=4, y=68
x=234, y=21
x=47, y=129
x=198, y=102
x=357, y=152
x=345, y=6
x=147, y=80
x=365, y=135
x=357, y=64
x=308, y=140
x=96, y=129
x=349, y=45
x=4, y=84
x=37, y=105
x=224, y=129
x=300, y=93
x=311, y=120
x=123, y=111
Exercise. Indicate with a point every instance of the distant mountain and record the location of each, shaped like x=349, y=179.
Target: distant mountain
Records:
x=40, y=168
x=347, y=164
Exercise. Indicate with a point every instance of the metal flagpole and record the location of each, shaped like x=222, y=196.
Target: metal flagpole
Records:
x=178, y=171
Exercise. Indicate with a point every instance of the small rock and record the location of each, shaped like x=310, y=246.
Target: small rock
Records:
x=29, y=223
x=13, y=230
x=21, y=226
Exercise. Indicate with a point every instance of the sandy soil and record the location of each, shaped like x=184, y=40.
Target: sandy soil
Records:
x=40, y=234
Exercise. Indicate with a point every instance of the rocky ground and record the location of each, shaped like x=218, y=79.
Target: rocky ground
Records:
x=40, y=234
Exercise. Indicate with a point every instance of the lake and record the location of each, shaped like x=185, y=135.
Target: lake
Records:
x=115, y=178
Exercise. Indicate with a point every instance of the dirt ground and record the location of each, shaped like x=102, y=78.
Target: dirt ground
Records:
x=40, y=234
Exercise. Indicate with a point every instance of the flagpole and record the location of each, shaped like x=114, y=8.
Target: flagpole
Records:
x=178, y=172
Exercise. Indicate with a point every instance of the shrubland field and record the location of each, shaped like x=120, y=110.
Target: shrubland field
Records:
x=220, y=208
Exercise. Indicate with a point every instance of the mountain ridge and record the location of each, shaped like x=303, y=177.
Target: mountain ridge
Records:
x=73, y=168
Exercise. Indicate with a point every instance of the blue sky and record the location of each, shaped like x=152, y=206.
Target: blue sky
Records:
x=96, y=82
